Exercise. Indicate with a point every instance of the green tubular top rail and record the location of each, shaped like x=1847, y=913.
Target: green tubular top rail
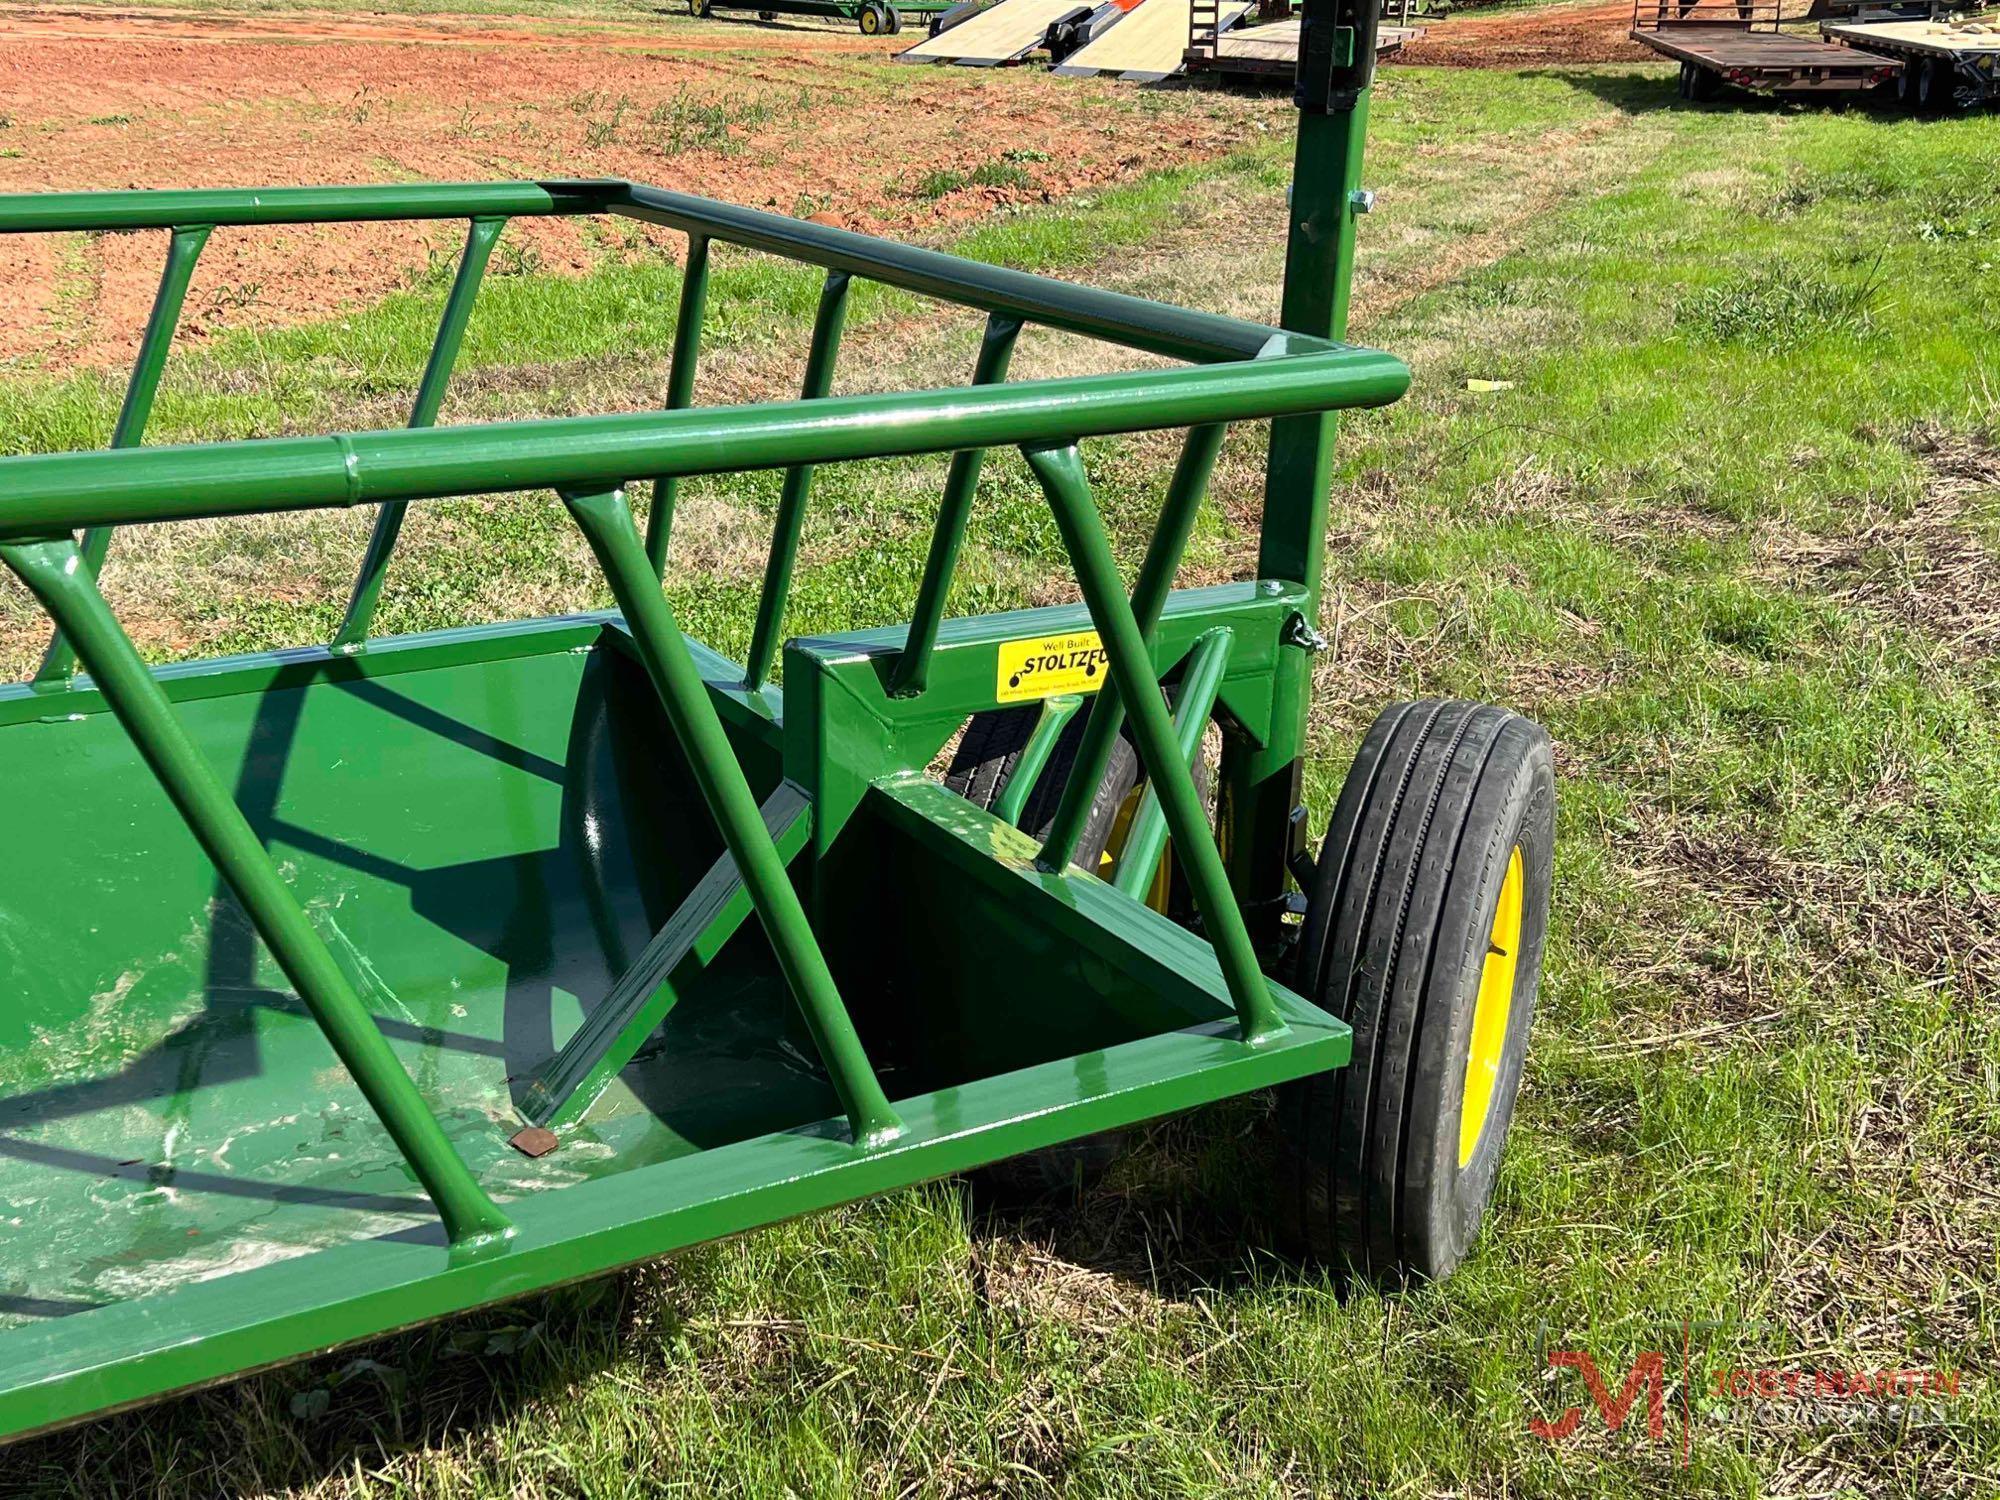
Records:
x=1113, y=316
x=44, y=493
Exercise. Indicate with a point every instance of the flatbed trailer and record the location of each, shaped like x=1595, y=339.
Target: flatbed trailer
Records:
x=1940, y=63
x=1724, y=42
x=1268, y=52
x=873, y=17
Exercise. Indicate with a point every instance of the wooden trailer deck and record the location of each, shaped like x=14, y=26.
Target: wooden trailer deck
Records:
x=1763, y=60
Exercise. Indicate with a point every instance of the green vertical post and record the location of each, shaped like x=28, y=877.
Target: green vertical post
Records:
x=961, y=483
x=607, y=525
x=680, y=392
x=479, y=239
x=1260, y=783
x=1146, y=837
x=764, y=637
x=58, y=575
x=1149, y=597
x=183, y=250
x=1060, y=471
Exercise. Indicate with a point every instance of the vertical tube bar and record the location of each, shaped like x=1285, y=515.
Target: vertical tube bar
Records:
x=479, y=240
x=183, y=250
x=1319, y=272
x=1013, y=798
x=57, y=574
x=1260, y=783
x=961, y=483
x=680, y=392
x=1146, y=839
x=1149, y=597
x=1060, y=471
x=606, y=522
x=827, y=326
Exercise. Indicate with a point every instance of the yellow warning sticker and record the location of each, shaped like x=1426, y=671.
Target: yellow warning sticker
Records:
x=1051, y=664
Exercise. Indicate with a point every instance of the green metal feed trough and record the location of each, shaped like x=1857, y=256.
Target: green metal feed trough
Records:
x=356, y=985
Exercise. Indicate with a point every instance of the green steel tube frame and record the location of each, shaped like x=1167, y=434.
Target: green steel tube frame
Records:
x=183, y=250
x=1297, y=377
x=680, y=392
x=479, y=241
x=828, y=324
x=1156, y=579
x=961, y=483
x=607, y=524
x=1060, y=472
x=55, y=571
x=1146, y=838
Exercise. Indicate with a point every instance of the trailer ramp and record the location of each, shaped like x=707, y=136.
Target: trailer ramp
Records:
x=1149, y=44
x=1004, y=33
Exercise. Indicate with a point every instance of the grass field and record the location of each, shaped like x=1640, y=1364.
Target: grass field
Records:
x=1732, y=532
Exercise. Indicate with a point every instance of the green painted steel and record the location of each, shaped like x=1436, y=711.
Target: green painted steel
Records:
x=1146, y=838
x=56, y=574
x=506, y=870
x=607, y=525
x=564, y=1088
x=961, y=484
x=1115, y=317
x=1055, y=713
x=827, y=325
x=1060, y=471
x=479, y=240
x=680, y=391
x=63, y=213
x=1260, y=785
x=1149, y=597
x=41, y=493
x=183, y=250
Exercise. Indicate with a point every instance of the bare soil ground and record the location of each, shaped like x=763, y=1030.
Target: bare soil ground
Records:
x=802, y=120
x=1545, y=37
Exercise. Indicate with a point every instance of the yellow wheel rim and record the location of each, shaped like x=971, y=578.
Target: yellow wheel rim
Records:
x=1161, y=890
x=1489, y=1015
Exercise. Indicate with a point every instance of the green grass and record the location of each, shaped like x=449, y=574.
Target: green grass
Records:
x=1731, y=535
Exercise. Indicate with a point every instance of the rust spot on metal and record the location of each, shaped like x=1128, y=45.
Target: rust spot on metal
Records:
x=534, y=1141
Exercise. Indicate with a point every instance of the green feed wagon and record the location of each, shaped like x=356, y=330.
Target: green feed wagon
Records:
x=354, y=985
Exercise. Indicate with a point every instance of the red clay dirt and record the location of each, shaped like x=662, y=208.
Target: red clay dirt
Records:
x=116, y=99
x=1546, y=37
x=94, y=98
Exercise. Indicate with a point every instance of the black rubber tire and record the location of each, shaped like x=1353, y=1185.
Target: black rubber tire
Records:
x=1703, y=85
x=698, y=9
x=871, y=20
x=1395, y=941
x=1687, y=80
x=895, y=21
x=1936, y=80
x=990, y=749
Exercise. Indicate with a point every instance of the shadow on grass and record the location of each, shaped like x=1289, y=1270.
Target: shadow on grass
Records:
x=309, y=1423
x=1188, y=1208
x=1636, y=93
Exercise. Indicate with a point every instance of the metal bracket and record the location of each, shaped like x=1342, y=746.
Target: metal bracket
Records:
x=1336, y=54
x=1299, y=631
